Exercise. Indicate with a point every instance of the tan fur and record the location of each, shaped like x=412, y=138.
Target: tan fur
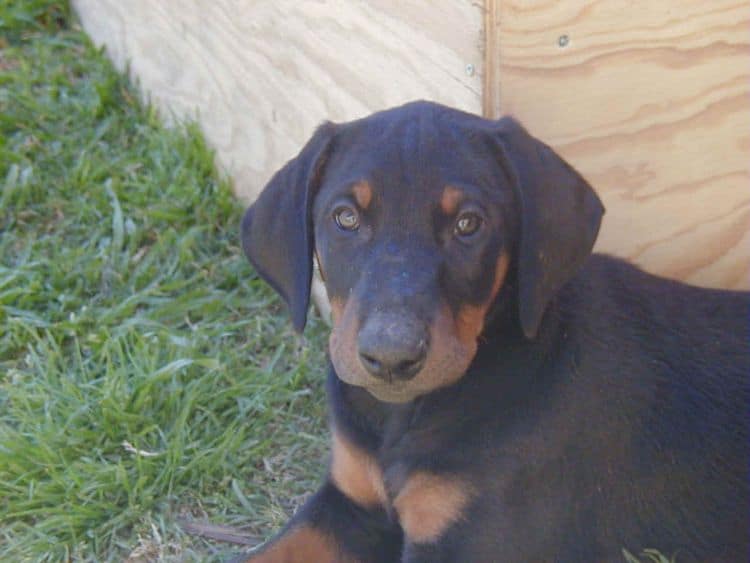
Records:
x=470, y=318
x=428, y=504
x=301, y=545
x=356, y=474
x=450, y=200
x=337, y=310
x=342, y=342
x=362, y=194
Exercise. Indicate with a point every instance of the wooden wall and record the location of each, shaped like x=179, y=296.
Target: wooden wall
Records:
x=649, y=100
x=262, y=74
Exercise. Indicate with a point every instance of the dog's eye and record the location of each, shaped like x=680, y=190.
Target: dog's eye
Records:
x=467, y=224
x=347, y=219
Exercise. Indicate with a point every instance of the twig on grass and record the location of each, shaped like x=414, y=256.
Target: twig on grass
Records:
x=215, y=532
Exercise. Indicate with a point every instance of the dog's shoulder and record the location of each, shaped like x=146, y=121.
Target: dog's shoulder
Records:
x=681, y=349
x=616, y=292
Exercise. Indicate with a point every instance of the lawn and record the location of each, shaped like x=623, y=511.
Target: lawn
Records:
x=147, y=376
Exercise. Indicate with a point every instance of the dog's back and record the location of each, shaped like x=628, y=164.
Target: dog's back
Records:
x=654, y=388
x=696, y=361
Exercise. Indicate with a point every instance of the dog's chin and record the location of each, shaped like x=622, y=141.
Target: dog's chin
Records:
x=393, y=393
x=398, y=392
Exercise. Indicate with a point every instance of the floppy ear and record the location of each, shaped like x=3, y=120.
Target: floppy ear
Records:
x=277, y=231
x=560, y=218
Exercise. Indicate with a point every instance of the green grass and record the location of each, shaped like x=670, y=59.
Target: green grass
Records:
x=648, y=556
x=128, y=314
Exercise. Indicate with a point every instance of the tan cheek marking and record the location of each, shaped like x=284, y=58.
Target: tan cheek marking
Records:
x=362, y=194
x=337, y=310
x=356, y=474
x=448, y=357
x=450, y=199
x=301, y=545
x=470, y=318
x=428, y=504
x=342, y=343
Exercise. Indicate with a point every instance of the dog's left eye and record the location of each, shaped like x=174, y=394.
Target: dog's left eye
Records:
x=467, y=224
x=347, y=219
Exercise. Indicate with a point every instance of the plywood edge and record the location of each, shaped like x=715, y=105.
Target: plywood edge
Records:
x=491, y=57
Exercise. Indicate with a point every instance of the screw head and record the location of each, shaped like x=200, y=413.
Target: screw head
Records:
x=563, y=41
x=470, y=69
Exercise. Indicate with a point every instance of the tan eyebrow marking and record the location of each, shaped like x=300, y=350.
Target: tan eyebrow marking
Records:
x=450, y=199
x=362, y=194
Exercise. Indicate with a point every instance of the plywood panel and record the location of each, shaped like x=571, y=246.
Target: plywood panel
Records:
x=262, y=75
x=651, y=101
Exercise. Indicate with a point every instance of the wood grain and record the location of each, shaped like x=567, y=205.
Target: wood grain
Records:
x=650, y=101
x=262, y=75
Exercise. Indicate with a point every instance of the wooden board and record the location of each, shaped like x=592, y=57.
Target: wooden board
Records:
x=262, y=75
x=651, y=102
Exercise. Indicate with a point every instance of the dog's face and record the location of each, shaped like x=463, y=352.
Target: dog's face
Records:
x=416, y=216
x=412, y=239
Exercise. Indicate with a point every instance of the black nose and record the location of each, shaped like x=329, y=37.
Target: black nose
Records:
x=393, y=346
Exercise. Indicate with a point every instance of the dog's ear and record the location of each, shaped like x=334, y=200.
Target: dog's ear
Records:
x=560, y=218
x=277, y=231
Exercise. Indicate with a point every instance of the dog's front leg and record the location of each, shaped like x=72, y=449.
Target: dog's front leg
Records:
x=333, y=528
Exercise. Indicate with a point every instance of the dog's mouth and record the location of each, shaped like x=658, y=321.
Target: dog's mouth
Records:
x=393, y=392
x=429, y=379
x=389, y=391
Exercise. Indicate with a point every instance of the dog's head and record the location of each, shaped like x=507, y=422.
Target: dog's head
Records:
x=418, y=215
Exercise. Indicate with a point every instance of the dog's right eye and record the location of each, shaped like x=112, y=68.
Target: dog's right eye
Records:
x=347, y=219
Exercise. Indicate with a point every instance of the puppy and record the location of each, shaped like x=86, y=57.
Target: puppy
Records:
x=497, y=393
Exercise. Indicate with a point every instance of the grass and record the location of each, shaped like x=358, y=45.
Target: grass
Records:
x=146, y=373
x=648, y=556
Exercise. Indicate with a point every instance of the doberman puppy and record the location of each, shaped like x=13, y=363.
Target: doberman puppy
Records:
x=498, y=393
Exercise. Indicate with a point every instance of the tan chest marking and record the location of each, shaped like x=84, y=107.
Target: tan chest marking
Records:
x=356, y=473
x=428, y=504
